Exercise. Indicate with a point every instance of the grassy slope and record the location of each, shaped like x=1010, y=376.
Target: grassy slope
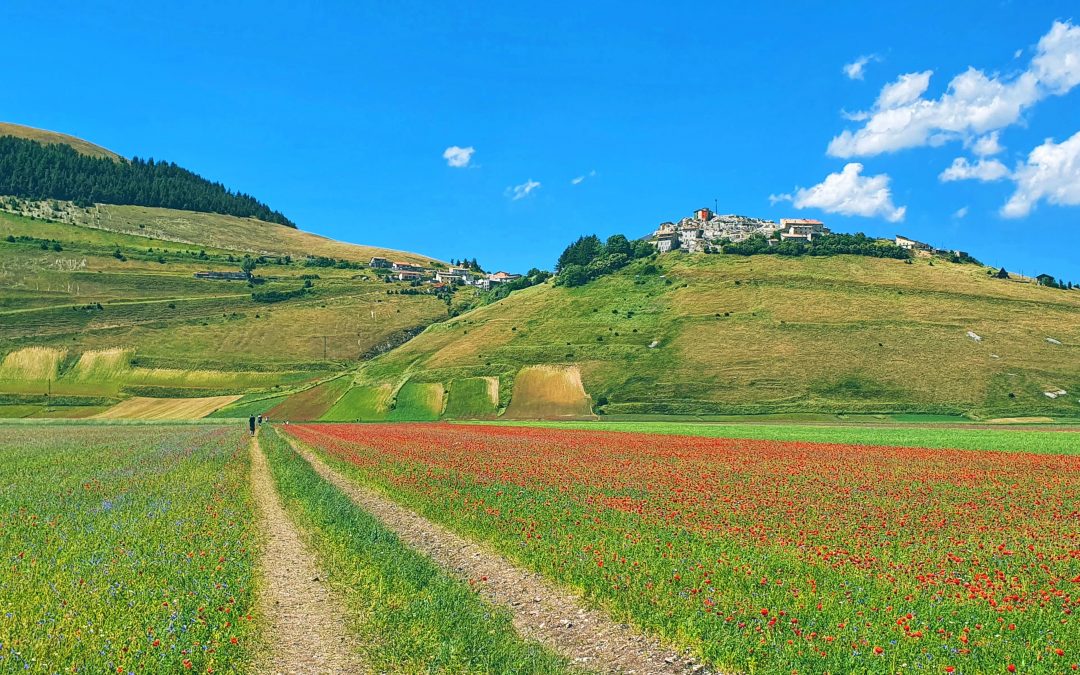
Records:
x=175, y=324
x=767, y=334
x=49, y=137
x=208, y=230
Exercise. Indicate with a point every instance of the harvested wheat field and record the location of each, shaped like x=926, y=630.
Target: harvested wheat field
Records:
x=549, y=392
x=142, y=408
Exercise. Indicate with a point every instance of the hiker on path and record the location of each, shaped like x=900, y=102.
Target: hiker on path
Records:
x=251, y=425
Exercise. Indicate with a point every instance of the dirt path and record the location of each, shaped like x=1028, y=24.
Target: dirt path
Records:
x=541, y=611
x=307, y=632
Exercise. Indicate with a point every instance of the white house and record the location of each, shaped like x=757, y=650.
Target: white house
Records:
x=910, y=244
x=801, y=229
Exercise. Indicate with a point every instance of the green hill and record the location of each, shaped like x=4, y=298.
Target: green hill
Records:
x=100, y=302
x=77, y=289
x=727, y=334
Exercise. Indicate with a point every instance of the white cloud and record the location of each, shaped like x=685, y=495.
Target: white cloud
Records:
x=459, y=158
x=580, y=179
x=854, y=70
x=984, y=170
x=961, y=212
x=974, y=103
x=782, y=197
x=857, y=116
x=1057, y=61
x=1051, y=172
x=522, y=191
x=904, y=90
x=849, y=193
x=987, y=145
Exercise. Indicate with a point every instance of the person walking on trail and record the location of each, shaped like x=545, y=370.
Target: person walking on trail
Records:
x=251, y=425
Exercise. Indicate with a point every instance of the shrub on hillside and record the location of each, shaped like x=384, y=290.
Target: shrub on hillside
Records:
x=273, y=295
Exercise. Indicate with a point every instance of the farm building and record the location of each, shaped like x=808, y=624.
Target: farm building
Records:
x=378, y=262
x=407, y=267
x=405, y=275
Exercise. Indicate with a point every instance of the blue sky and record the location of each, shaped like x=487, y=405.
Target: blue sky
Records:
x=341, y=116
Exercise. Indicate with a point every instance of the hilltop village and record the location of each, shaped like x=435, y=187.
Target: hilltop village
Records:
x=707, y=232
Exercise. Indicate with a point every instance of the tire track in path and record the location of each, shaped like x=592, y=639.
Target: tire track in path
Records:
x=306, y=622
x=541, y=611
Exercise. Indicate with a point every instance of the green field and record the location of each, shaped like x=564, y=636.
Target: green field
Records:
x=117, y=540
x=470, y=398
x=144, y=532
x=1051, y=440
x=361, y=403
x=418, y=401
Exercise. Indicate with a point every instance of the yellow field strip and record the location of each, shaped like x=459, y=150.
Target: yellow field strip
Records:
x=143, y=408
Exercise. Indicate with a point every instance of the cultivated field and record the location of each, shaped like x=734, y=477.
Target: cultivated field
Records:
x=125, y=549
x=545, y=392
x=160, y=547
x=142, y=408
x=766, y=555
x=153, y=547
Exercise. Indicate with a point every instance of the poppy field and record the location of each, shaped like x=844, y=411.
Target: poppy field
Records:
x=126, y=549
x=763, y=555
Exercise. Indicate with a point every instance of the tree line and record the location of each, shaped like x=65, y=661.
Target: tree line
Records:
x=589, y=258
x=823, y=245
x=55, y=171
